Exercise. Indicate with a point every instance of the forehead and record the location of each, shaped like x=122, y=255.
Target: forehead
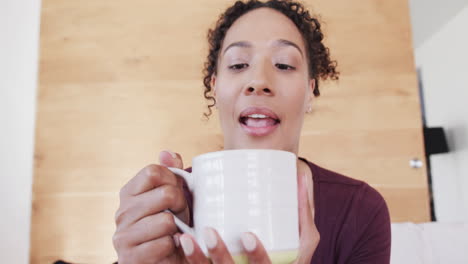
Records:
x=262, y=26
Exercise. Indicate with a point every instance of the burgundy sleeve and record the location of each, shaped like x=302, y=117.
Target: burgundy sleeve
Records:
x=373, y=230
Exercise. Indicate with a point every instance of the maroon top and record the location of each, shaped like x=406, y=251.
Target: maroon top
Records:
x=351, y=217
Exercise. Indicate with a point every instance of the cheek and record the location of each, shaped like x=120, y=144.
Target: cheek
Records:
x=225, y=105
x=296, y=96
x=296, y=111
x=225, y=98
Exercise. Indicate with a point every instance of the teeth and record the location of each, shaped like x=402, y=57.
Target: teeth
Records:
x=257, y=116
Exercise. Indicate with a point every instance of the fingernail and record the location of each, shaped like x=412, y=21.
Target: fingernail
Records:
x=249, y=242
x=173, y=155
x=176, y=241
x=187, y=245
x=210, y=238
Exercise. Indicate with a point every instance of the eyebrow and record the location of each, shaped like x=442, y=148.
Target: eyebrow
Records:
x=283, y=42
x=242, y=44
x=279, y=42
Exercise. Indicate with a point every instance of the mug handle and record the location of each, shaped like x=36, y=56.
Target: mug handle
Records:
x=189, y=179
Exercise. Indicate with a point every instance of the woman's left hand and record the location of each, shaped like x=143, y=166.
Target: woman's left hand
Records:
x=219, y=253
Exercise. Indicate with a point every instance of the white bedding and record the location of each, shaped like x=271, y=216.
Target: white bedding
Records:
x=429, y=243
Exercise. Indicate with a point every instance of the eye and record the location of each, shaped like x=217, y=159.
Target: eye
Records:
x=284, y=67
x=238, y=66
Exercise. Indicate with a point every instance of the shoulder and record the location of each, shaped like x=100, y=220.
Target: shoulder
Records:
x=338, y=194
x=352, y=217
x=333, y=181
x=322, y=175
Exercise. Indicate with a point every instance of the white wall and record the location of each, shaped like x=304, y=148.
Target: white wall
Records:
x=443, y=59
x=19, y=28
x=430, y=16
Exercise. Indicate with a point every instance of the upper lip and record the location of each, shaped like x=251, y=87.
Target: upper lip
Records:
x=259, y=110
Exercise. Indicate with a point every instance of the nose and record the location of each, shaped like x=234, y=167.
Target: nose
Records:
x=257, y=90
x=259, y=83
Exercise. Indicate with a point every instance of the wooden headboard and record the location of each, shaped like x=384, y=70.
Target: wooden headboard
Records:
x=121, y=81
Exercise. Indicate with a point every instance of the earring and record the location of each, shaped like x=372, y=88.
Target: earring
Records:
x=310, y=109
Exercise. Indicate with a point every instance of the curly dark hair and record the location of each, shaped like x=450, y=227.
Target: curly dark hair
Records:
x=319, y=62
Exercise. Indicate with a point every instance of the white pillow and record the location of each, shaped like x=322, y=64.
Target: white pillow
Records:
x=448, y=241
x=409, y=245
x=429, y=243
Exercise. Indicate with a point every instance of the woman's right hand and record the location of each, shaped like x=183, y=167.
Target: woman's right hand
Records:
x=144, y=232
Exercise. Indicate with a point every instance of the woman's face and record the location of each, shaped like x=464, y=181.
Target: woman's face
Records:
x=262, y=86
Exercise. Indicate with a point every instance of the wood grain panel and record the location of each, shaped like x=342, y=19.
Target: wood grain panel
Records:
x=80, y=228
x=121, y=81
x=407, y=204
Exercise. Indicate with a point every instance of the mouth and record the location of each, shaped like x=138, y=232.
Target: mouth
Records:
x=259, y=121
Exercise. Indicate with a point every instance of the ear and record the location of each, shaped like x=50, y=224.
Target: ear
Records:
x=213, y=83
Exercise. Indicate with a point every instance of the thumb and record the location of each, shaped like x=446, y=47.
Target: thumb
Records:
x=170, y=159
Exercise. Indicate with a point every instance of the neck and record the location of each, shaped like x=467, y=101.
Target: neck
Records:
x=303, y=167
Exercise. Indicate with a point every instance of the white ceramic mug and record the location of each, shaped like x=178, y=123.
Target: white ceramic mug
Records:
x=246, y=190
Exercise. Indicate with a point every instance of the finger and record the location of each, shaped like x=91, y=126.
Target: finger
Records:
x=150, y=228
x=216, y=247
x=153, y=251
x=309, y=235
x=147, y=179
x=254, y=249
x=170, y=159
x=176, y=257
x=149, y=203
x=193, y=253
x=176, y=238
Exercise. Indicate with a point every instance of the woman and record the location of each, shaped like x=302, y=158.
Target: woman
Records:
x=262, y=72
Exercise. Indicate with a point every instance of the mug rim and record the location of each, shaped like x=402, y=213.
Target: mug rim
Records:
x=221, y=152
